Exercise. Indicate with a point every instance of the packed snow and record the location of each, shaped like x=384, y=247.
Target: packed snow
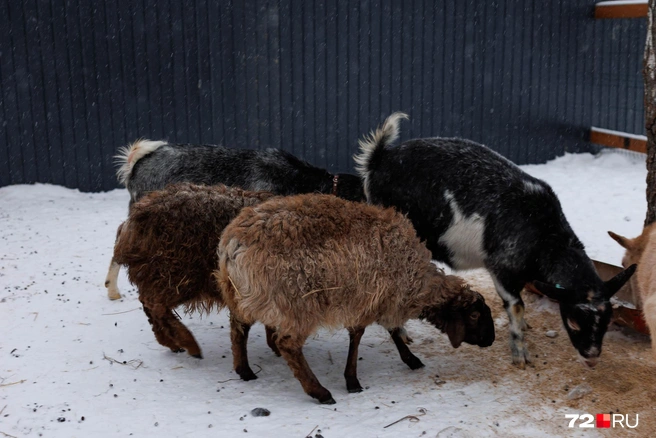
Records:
x=74, y=364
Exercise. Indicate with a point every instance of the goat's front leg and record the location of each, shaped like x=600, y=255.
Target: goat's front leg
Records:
x=239, y=337
x=111, y=281
x=351, y=371
x=291, y=349
x=649, y=313
x=406, y=355
x=512, y=302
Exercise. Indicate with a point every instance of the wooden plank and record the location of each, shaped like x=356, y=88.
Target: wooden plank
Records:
x=615, y=139
x=619, y=9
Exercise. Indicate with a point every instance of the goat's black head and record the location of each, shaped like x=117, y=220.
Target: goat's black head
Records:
x=586, y=314
x=471, y=323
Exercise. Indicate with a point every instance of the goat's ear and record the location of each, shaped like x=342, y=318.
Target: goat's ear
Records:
x=455, y=329
x=616, y=283
x=625, y=242
x=556, y=292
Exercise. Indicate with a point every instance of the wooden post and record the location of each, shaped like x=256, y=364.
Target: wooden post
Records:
x=650, y=110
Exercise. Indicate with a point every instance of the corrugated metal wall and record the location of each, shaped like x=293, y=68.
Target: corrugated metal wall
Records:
x=80, y=78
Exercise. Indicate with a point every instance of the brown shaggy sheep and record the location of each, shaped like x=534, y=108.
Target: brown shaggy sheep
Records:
x=642, y=250
x=308, y=261
x=168, y=244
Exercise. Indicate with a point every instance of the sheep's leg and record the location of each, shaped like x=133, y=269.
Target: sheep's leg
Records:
x=271, y=340
x=512, y=302
x=351, y=371
x=184, y=337
x=407, y=357
x=160, y=330
x=291, y=349
x=169, y=324
x=111, y=281
x=239, y=337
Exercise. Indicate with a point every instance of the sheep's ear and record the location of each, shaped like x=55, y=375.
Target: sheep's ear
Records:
x=455, y=329
x=616, y=283
x=625, y=242
x=555, y=292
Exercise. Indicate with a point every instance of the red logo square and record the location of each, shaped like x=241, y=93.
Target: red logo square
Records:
x=603, y=421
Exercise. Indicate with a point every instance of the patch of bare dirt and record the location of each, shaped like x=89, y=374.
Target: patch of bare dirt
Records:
x=623, y=382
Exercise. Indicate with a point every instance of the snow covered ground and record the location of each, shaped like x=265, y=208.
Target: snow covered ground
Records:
x=74, y=364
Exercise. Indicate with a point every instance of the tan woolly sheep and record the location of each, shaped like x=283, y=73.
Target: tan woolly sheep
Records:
x=168, y=244
x=308, y=261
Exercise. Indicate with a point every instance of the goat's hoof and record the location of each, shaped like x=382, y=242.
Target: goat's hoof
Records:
x=355, y=390
x=114, y=297
x=197, y=356
x=415, y=364
x=521, y=362
x=329, y=401
x=177, y=350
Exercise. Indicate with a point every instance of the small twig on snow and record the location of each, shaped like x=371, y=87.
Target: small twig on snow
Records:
x=3, y=409
x=14, y=383
x=7, y=435
x=309, y=434
x=118, y=313
x=260, y=369
x=134, y=363
x=411, y=418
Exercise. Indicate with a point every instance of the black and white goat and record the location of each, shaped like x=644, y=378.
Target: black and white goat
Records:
x=146, y=166
x=476, y=209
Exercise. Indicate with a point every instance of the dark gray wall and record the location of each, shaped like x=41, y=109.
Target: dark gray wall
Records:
x=80, y=78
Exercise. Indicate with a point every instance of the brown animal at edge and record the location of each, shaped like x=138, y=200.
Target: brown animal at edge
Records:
x=642, y=251
x=168, y=244
x=308, y=261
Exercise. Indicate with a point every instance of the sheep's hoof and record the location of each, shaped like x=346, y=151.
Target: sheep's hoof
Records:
x=328, y=401
x=246, y=375
x=415, y=363
x=353, y=386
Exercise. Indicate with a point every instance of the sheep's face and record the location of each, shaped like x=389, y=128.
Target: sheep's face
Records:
x=470, y=323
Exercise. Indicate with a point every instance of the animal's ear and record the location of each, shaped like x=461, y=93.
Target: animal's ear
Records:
x=625, y=242
x=455, y=329
x=555, y=292
x=616, y=283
